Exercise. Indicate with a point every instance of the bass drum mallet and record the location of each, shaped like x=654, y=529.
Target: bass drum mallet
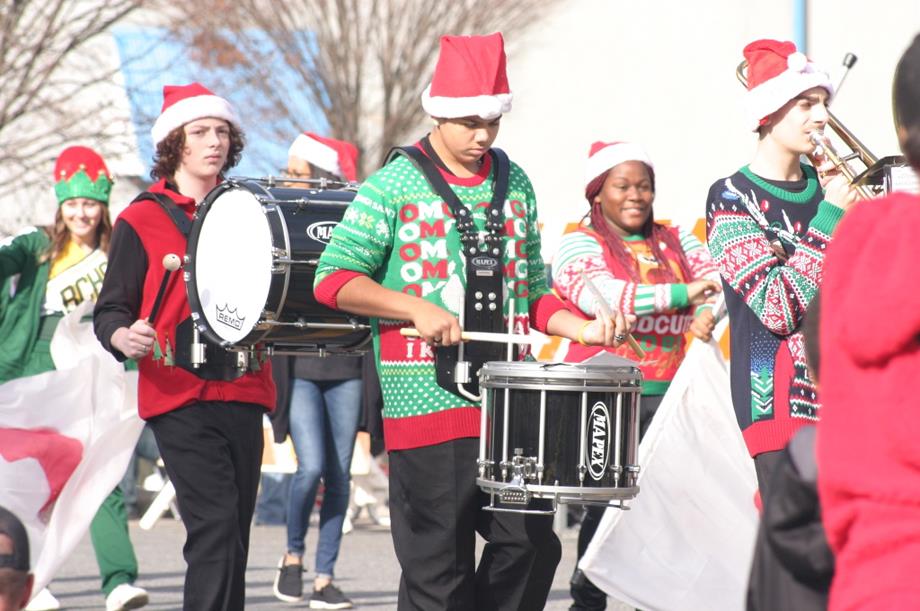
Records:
x=172, y=263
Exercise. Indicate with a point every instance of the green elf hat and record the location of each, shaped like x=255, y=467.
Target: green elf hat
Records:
x=81, y=172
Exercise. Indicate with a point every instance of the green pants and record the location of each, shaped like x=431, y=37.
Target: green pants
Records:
x=114, y=552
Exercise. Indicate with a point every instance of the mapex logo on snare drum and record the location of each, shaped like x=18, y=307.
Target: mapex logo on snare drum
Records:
x=598, y=450
x=228, y=317
x=321, y=231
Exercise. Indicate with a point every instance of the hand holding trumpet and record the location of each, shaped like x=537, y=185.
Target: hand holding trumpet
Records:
x=833, y=174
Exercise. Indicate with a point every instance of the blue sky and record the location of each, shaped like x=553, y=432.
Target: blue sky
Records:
x=150, y=59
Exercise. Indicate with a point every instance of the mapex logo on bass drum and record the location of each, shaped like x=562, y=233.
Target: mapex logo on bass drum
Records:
x=598, y=450
x=321, y=231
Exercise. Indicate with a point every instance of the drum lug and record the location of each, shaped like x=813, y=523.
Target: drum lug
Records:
x=197, y=352
x=632, y=475
x=462, y=372
x=582, y=470
x=280, y=260
x=485, y=468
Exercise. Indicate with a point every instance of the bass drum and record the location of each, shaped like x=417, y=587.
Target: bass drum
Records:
x=252, y=255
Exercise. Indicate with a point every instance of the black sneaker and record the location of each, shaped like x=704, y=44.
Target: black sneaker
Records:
x=289, y=583
x=330, y=597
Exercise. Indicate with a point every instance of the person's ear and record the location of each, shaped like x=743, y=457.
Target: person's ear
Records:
x=902, y=137
x=27, y=591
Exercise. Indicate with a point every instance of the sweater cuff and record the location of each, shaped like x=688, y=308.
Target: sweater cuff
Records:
x=827, y=217
x=700, y=308
x=679, y=297
x=327, y=291
x=543, y=309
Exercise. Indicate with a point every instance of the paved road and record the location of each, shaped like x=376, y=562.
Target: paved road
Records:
x=367, y=570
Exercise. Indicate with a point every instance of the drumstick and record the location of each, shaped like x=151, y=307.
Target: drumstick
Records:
x=483, y=336
x=605, y=311
x=171, y=262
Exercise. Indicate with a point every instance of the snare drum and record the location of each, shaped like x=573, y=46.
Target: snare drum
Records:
x=252, y=256
x=558, y=431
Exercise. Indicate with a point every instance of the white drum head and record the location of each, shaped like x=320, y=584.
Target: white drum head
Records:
x=233, y=264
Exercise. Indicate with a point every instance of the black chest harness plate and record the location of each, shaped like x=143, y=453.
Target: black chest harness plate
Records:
x=483, y=306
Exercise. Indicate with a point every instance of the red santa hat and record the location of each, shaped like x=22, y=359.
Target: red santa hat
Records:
x=777, y=73
x=185, y=103
x=80, y=172
x=605, y=155
x=469, y=79
x=336, y=156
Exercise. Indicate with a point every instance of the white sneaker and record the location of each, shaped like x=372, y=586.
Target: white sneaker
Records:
x=126, y=596
x=43, y=601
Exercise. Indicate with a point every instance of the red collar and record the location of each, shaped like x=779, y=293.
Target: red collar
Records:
x=182, y=201
x=471, y=181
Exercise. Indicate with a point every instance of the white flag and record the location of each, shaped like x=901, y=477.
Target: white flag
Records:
x=687, y=540
x=65, y=440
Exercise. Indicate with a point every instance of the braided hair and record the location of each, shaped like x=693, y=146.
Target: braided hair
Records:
x=654, y=233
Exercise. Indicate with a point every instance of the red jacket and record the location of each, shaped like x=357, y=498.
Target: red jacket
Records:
x=869, y=433
x=162, y=387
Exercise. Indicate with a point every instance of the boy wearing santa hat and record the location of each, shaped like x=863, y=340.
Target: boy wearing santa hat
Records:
x=440, y=218
x=208, y=427
x=769, y=225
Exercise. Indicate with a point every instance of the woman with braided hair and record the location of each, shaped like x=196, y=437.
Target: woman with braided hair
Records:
x=660, y=274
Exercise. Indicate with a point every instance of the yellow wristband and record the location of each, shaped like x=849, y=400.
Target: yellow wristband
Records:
x=581, y=333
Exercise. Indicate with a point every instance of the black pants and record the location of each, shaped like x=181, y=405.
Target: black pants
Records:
x=213, y=453
x=585, y=595
x=435, y=513
x=772, y=583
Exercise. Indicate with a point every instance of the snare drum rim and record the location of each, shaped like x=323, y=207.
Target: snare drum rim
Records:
x=568, y=493
x=560, y=376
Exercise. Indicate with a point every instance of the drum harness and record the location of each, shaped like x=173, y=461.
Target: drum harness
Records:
x=484, y=274
x=198, y=354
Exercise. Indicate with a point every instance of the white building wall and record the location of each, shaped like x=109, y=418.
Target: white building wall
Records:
x=30, y=200
x=662, y=72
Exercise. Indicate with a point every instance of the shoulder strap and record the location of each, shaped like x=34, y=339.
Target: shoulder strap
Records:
x=179, y=218
x=462, y=214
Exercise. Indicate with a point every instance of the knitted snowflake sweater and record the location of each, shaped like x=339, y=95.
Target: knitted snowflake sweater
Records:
x=766, y=296
x=399, y=232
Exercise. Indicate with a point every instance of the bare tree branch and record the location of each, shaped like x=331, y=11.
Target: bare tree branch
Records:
x=361, y=64
x=58, y=86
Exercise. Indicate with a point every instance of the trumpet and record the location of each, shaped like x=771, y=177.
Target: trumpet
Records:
x=823, y=145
